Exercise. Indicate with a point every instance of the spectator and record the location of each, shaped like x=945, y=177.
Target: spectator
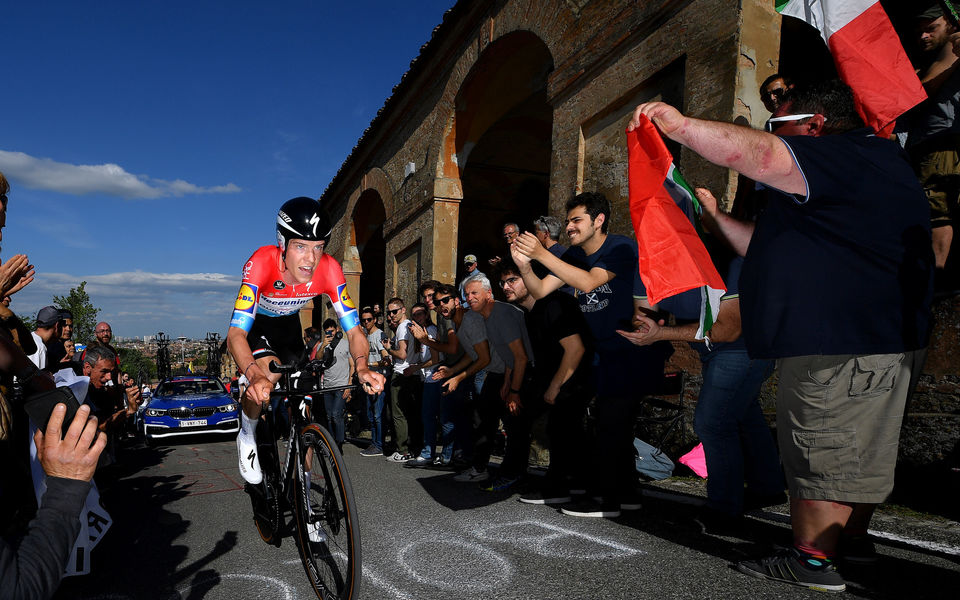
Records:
x=825, y=242
x=404, y=389
x=48, y=329
x=424, y=362
x=933, y=133
x=67, y=322
x=338, y=374
x=33, y=567
x=547, y=230
x=470, y=262
x=378, y=361
x=112, y=405
x=458, y=379
x=455, y=429
x=604, y=268
x=69, y=348
x=728, y=418
x=510, y=233
x=561, y=341
x=773, y=89
x=378, y=315
x=11, y=324
x=503, y=394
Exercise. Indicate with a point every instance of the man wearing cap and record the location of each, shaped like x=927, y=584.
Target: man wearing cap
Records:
x=932, y=132
x=48, y=328
x=470, y=261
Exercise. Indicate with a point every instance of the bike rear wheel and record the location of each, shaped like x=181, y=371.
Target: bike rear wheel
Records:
x=328, y=528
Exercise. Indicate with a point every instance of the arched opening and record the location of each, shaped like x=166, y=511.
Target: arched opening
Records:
x=503, y=143
x=369, y=248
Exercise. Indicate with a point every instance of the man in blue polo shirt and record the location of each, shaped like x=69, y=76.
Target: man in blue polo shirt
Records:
x=836, y=285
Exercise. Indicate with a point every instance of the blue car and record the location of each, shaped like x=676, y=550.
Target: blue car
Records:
x=190, y=405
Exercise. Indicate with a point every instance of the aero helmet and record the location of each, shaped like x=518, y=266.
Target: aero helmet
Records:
x=302, y=218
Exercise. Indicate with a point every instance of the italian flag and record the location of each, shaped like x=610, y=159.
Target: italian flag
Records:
x=867, y=53
x=665, y=216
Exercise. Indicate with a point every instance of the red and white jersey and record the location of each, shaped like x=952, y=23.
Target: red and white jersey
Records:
x=263, y=291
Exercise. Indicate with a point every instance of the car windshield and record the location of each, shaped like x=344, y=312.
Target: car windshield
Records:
x=181, y=388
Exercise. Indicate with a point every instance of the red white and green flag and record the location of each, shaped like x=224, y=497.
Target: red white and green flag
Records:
x=867, y=52
x=665, y=216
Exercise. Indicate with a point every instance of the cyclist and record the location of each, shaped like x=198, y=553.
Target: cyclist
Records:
x=265, y=327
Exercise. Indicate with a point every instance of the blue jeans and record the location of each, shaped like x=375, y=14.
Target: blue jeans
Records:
x=430, y=413
x=335, y=405
x=736, y=439
x=375, y=417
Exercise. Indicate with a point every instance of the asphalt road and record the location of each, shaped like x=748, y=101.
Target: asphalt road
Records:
x=183, y=530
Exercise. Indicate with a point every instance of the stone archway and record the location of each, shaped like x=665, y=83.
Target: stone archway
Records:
x=366, y=252
x=501, y=139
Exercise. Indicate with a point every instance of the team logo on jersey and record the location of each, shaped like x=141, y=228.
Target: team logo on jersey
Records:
x=246, y=298
x=246, y=269
x=279, y=285
x=345, y=297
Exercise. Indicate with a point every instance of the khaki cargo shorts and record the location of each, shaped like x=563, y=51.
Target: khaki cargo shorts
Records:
x=939, y=174
x=838, y=424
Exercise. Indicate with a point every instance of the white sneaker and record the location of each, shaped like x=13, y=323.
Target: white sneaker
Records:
x=315, y=533
x=398, y=457
x=472, y=475
x=249, y=463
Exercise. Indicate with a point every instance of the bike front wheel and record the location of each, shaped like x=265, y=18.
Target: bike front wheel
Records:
x=328, y=529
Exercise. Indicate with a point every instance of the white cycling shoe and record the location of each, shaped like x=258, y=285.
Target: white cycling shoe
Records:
x=249, y=462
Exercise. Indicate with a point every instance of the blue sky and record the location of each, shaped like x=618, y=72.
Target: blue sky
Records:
x=149, y=144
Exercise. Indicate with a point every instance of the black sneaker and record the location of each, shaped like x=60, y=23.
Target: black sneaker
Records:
x=857, y=549
x=789, y=566
x=592, y=508
x=545, y=498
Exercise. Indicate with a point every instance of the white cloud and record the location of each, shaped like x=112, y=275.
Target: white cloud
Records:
x=108, y=179
x=138, y=303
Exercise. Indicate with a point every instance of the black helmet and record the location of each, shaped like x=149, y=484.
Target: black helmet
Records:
x=302, y=218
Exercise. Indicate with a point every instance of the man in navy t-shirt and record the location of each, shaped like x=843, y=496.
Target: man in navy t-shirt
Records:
x=604, y=270
x=836, y=285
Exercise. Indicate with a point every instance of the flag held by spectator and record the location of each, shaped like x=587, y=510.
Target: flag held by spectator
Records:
x=664, y=210
x=867, y=52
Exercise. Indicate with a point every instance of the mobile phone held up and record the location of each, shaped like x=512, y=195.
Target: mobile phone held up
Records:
x=40, y=407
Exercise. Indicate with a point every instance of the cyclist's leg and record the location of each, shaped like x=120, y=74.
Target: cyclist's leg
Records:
x=248, y=460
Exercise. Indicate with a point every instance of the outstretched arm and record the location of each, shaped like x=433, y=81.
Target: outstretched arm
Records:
x=759, y=155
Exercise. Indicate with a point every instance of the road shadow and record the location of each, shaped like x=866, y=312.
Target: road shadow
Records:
x=456, y=495
x=897, y=574
x=139, y=556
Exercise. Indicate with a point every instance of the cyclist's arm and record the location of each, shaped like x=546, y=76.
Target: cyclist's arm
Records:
x=359, y=350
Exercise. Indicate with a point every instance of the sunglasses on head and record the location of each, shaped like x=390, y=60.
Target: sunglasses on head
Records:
x=394, y=311
x=775, y=122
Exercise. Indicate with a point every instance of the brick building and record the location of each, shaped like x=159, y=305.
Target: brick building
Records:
x=513, y=105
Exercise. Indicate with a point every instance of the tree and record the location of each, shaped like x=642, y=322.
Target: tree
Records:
x=84, y=313
x=134, y=362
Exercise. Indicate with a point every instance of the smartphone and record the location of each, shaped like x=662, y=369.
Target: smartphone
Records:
x=40, y=407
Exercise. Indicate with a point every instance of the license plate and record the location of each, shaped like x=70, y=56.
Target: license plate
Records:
x=193, y=423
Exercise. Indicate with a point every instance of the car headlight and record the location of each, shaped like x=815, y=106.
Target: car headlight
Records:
x=228, y=407
x=155, y=412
